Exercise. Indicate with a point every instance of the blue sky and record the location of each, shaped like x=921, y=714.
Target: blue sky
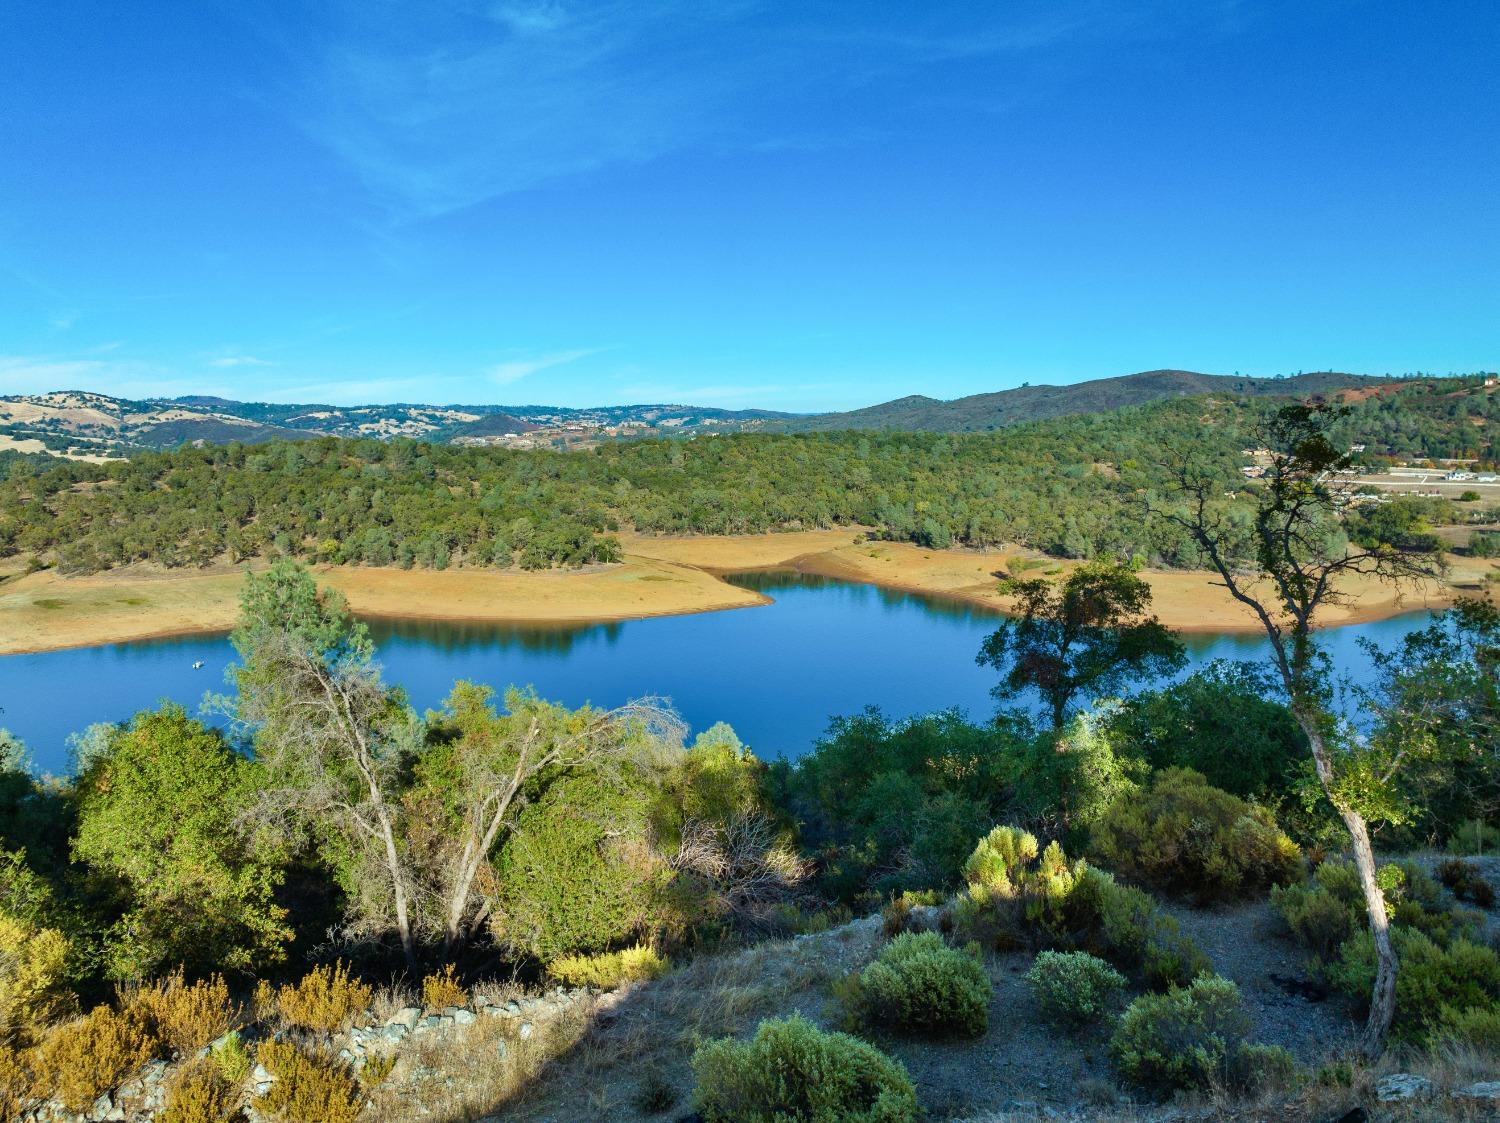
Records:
x=799, y=206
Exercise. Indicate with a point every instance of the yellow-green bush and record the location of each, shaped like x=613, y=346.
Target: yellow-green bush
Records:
x=83, y=1058
x=32, y=989
x=186, y=1016
x=441, y=989
x=15, y=1082
x=308, y=1088
x=610, y=969
x=1194, y=1037
x=1434, y=986
x=791, y=1070
x=1184, y=836
x=918, y=984
x=324, y=1000
x=200, y=1094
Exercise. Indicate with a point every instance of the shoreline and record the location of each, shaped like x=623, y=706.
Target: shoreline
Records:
x=660, y=576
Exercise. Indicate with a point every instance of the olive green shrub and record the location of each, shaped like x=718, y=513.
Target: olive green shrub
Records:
x=918, y=984
x=1194, y=1037
x=1183, y=836
x=610, y=969
x=1074, y=988
x=793, y=1071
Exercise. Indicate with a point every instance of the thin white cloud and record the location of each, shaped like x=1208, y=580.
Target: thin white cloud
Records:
x=443, y=105
x=240, y=361
x=513, y=370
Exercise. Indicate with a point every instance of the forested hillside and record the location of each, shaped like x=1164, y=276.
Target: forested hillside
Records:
x=981, y=412
x=1068, y=487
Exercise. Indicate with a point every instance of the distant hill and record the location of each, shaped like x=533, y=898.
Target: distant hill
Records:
x=979, y=412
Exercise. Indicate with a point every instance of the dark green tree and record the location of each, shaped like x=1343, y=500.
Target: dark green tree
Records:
x=1081, y=639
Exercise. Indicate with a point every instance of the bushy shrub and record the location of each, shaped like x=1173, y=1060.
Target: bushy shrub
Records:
x=610, y=969
x=1192, y=1037
x=1183, y=836
x=1017, y=896
x=791, y=1070
x=1465, y=882
x=186, y=1016
x=1474, y=837
x=1324, y=912
x=200, y=1094
x=1477, y=1027
x=1075, y=988
x=324, y=1000
x=918, y=984
x=308, y=1088
x=1126, y=926
x=33, y=989
x=231, y=1058
x=78, y=1061
x=15, y=1082
x=441, y=989
x=1433, y=984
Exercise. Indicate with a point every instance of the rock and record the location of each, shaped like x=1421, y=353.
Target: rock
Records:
x=525, y=1031
x=437, y=1021
x=463, y=1017
x=1401, y=1086
x=501, y=1048
x=512, y=1007
x=923, y=918
x=261, y=1079
x=1354, y=1115
x=408, y=1016
x=101, y=1107
x=395, y=1032
x=1486, y=1091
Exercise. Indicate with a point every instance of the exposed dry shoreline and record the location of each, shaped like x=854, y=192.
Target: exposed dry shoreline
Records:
x=659, y=577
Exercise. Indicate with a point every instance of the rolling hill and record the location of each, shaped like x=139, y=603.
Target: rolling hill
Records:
x=979, y=412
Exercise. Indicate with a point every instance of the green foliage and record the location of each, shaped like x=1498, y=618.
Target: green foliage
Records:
x=159, y=812
x=33, y=985
x=887, y=806
x=920, y=985
x=1219, y=721
x=1084, y=638
x=1184, y=836
x=1193, y=1037
x=610, y=969
x=1126, y=926
x=1323, y=913
x=1474, y=836
x=1073, y=988
x=791, y=1070
x=1436, y=983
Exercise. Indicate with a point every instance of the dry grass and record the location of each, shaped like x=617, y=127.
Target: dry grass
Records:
x=466, y=1075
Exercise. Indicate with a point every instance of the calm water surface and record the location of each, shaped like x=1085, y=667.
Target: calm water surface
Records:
x=776, y=673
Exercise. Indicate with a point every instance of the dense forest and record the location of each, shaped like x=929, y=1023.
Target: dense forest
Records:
x=1069, y=487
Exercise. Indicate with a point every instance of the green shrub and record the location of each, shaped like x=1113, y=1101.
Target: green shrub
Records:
x=1477, y=1027
x=1474, y=837
x=1126, y=926
x=610, y=969
x=1075, y=988
x=918, y=984
x=1465, y=882
x=792, y=1071
x=1193, y=1037
x=1015, y=893
x=1323, y=913
x=1183, y=836
x=1432, y=983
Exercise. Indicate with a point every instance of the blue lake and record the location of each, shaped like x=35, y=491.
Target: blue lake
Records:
x=777, y=673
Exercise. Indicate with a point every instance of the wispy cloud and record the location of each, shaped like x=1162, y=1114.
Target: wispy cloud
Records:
x=513, y=370
x=442, y=105
x=120, y=377
x=240, y=361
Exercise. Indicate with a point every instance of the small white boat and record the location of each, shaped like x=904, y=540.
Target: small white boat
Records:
x=198, y=666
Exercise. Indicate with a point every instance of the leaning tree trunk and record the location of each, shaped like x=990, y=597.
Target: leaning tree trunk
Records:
x=1383, y=994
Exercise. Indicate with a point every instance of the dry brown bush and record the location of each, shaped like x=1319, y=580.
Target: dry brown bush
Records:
x=324, y=1000
x=81, y=1059
x=309, y=1088
x=441, y=989
x=199, y=1094
x=185, y=1016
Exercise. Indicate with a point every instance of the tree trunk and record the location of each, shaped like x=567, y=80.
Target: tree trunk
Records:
x=1383, y=994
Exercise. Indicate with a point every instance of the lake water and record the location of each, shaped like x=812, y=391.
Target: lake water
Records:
x=776, y=673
